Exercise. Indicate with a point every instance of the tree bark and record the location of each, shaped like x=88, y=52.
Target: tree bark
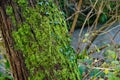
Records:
x=15, y=58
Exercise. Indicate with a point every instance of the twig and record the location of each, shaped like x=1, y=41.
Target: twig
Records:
x=110, y=69
x=98, y=15
x=77, y=12
x=99, y=31
x=79, y=40
x=101, y=48
x=76, y=17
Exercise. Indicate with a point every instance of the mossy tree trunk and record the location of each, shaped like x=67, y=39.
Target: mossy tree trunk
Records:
x=15, y=57
x=36, y=40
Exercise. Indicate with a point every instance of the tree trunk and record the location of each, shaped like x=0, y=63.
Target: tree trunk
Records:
x=36, y=40
x=15, y=57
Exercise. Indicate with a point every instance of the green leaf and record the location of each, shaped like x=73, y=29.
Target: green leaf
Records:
x=82, y=68
x=103, y=18
x=7, y=65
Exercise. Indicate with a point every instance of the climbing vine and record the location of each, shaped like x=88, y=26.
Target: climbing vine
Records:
x=43, y=39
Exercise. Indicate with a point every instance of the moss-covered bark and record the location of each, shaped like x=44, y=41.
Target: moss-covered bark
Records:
x=40, y=33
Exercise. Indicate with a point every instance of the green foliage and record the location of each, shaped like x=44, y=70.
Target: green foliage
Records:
x=103, y=18
x=99, y=69
x=9, y=11
x=5, y=70
x=5, y=73
x=44, y=41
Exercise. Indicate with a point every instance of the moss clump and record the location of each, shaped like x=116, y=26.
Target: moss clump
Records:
x=43, y=39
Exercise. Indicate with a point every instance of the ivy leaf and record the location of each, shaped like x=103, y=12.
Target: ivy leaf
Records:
x=7, y=64
x=103, y=18
x=82, y=68
x=40, y=3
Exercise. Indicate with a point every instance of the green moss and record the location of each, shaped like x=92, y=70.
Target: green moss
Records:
x=44, y=41
x=9, y=11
